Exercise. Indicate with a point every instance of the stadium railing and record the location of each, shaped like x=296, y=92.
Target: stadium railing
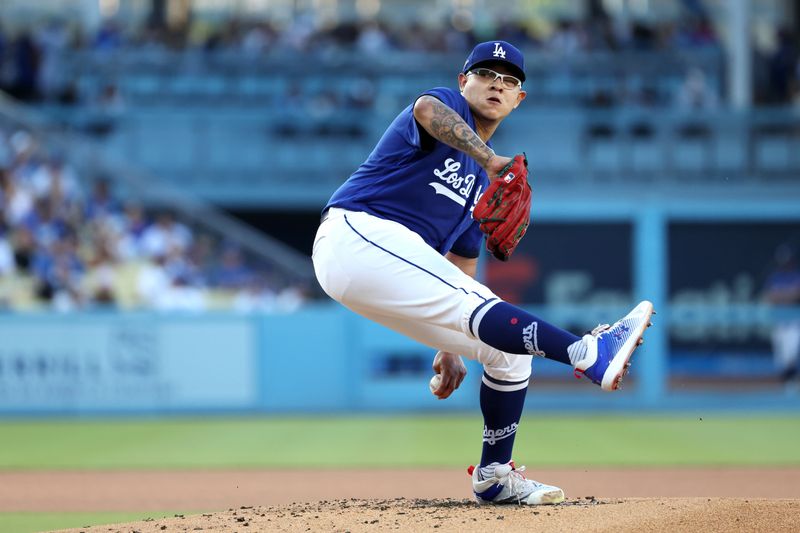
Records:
x=245, y=156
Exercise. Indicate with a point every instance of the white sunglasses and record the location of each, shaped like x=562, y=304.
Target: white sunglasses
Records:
x=506, y=80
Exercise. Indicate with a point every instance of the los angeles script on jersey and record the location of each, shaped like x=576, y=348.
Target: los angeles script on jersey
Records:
x=459, y=188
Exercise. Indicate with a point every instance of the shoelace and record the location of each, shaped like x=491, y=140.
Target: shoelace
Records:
x=600, y=328
x=514, y=477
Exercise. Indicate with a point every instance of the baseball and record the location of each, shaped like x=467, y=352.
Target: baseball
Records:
x=435, y=382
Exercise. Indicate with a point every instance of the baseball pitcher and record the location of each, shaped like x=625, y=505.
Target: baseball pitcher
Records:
x=399, y=243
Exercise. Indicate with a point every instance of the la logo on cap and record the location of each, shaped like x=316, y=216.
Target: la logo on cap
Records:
x=498, y=51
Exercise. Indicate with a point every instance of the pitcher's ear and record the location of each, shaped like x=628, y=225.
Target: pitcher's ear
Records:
x=462, y=81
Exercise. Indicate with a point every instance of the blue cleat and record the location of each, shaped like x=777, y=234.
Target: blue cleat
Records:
x=609, y=348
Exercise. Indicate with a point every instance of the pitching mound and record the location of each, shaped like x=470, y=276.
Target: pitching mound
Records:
x=401, y=514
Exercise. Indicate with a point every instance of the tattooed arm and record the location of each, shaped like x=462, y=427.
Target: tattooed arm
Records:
x=447, y=126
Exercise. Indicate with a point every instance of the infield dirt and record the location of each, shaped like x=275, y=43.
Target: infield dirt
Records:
x=400, y=514
x=655, y=499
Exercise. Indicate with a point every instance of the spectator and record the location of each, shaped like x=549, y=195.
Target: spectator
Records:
x=56, y=179
x=3, y=49
x=299, y=33
x=17, y=201
x=600, y=31
x=514, y=31
x=58, y=270
x=361, y=93
x=158, y=290
x=27, y=62
x=52, y=40
x=256, y=296
x=23, y=148
x=153, y=283
x=44, y=224
x=178, y=266
x=7, y=263
x=457, y=35
x=643, y=37
x=99, y=284
x=109, y=37
x=291, y=298
x=24, y=247
x=165, y=235
x=182, y=296
x=783, y=67
x=232, y=272
x=695, y=94
x=200, y=260
x=101, y=204
x=796, y=85
x=782, y=289
x=256, y=41
x=567, y=39
x=106, y=110
x=372, y=39
x=130, y=228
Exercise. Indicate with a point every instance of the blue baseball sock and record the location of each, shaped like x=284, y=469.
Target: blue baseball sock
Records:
x=513, y=330
x=502, y=411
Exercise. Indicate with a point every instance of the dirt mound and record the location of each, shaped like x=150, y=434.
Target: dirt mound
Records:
x=90, y=491
x=402, y=514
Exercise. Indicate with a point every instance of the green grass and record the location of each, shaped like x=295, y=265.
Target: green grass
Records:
x=404, y=441
x=31, y=522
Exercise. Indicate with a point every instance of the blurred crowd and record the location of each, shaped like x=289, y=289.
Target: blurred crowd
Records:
x=63, y=247
x=308, y=32
x=29, y=57
x=31, y=54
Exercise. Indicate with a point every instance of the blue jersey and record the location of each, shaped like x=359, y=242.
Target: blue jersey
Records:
x=428, y=187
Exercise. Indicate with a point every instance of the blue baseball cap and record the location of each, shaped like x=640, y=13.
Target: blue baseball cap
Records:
x=494, y=52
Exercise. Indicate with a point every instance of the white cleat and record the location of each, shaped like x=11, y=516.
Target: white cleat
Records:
x=507, y=485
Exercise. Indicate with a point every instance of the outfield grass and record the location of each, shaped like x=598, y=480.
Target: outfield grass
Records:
x=402, y=441
x=32, y=522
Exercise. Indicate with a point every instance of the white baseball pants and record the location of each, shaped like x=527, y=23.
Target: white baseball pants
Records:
x=382, y=270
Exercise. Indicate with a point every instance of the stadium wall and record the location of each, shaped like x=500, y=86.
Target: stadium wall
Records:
x=324, y=358
x=320, y=359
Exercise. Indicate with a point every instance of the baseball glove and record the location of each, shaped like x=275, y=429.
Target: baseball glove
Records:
x=504, y=209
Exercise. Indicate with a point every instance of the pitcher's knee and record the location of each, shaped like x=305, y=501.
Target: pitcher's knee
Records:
x=474, y=306
x=507, y=372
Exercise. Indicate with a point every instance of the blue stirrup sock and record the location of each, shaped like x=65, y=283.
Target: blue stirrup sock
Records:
x=502, y=411
x=513, y=330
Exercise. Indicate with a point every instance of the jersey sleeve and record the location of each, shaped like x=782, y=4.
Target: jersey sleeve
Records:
x=413, y=133
x=449, y=97
x=468, y=243
x=407, y=127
